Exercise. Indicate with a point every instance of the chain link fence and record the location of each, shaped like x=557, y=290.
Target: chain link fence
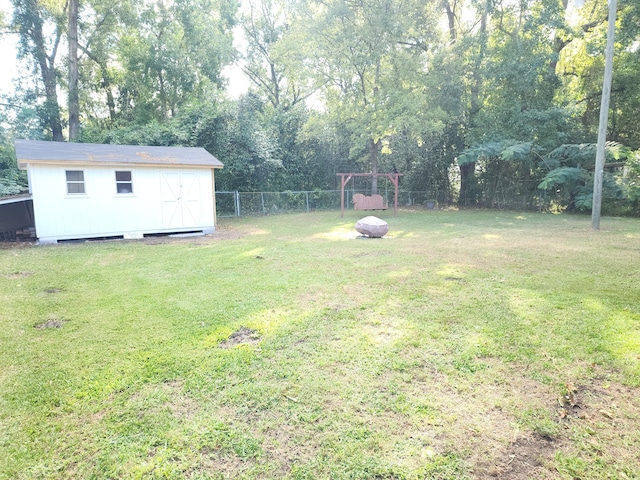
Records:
x=237, y=204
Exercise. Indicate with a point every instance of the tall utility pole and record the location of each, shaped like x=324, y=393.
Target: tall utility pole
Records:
x=604, y=116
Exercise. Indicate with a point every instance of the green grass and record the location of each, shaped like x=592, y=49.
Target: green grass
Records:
x=462, y=345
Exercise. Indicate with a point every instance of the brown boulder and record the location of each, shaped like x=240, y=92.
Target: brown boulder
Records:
x=372, y=227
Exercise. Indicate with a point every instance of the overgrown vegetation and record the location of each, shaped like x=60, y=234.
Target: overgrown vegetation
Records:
x=12, y=180
x=463, y=345
x=527, y=176
x=338, y=86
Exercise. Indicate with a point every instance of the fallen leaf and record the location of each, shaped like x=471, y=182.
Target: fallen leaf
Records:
x=571, y=394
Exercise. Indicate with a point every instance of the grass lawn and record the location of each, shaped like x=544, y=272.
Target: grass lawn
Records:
x=463, y=345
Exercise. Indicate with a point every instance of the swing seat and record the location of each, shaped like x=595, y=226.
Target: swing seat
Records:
x=368, y=202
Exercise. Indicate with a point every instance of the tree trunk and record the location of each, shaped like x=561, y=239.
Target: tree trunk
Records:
x=467, y=172
x=163, y=97
x=374, y=145
x=31, y=31
x=74, y=102
x=374, y=148
x=111, y=103
x=467, y=185
x=106, y=81
x=451, y=19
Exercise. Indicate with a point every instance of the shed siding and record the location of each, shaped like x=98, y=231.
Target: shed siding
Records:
x=102, y=212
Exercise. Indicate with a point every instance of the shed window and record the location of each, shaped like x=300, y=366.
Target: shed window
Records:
x=124, y=184
x=75, y=181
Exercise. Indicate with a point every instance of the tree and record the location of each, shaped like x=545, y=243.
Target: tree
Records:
x=581, y=66
x=147, y=58
x=172, y=54
x=526, y=175
x=570, y=181
x=508, y=53
x=370, y=57
x=30, y=18
x=265, y=60
x=248, y=149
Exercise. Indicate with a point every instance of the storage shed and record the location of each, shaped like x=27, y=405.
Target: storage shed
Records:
x=16, y=218
x=91, y=191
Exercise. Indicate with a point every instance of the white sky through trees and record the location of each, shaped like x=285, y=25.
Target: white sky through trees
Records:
x=8, y=62
x=237, y=82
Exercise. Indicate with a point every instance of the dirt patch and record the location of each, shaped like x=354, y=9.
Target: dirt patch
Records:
x=373, y=254
x=214, y=463
x=455, y=279
x=597, y=412
x=17, y=274
x=52, y=290
x=12, y=245
x=181, y=405
x=222, y=233
x=606, y=411
x=243, y=335
x=601, y=400
x=479, y=415
x=50, y=323
x=525, y=458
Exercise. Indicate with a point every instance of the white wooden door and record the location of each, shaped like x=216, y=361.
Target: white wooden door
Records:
x=191, y=209
x=181, y=200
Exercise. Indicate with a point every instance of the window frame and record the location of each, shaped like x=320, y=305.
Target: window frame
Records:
x=121, y=182
x=82, y=182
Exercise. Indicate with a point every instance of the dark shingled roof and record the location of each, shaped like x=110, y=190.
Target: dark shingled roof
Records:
x=38, y=152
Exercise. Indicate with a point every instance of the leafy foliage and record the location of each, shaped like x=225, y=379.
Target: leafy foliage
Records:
x=12, y=180
x=572, y=181
x=563, y=176
x=477, y=102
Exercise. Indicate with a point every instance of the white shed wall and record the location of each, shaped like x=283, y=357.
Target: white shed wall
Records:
x=102, y=212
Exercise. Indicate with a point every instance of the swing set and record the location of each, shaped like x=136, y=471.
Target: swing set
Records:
x=369, y=202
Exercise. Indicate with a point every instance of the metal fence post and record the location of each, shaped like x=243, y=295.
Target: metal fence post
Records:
x=319, y=200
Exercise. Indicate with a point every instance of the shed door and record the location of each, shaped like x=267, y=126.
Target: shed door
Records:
x=180, y=199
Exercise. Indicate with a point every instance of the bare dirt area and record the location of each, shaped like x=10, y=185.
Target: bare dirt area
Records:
x=525, y=458
x=50, y=323
x=592, y=422
x=225, y=232
x=222, y=233
x=53, y=290
x=243, y=335
x=5, y=245
x=605, y=415
x=15, y=275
